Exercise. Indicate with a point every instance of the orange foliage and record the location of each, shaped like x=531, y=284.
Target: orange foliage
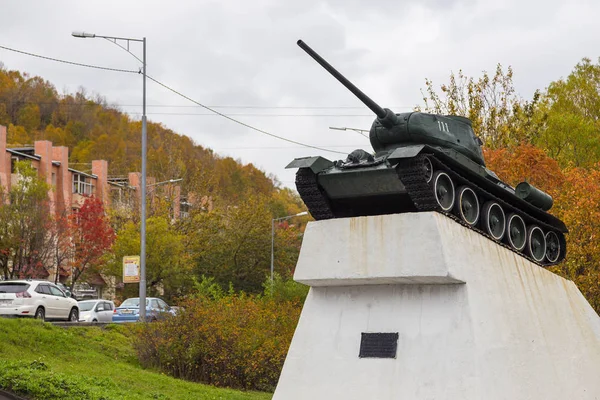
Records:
x=576, y=193
x=525, y=163
x=236, y=341
x=578, y=205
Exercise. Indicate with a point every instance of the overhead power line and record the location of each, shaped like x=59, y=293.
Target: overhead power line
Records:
x=179, y=94
x=241, y=107
x=240, y=122
x=259, y=115
x=71, y=62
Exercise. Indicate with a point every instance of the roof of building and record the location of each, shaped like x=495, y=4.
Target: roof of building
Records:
x=83, y=173
x=24, y=155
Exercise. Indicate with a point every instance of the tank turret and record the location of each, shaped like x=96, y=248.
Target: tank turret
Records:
x=429, y=162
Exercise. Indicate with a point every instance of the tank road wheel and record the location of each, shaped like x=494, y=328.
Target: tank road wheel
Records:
x=468, y=205
x=428, y=169
x=443, y=188
x=516, y=232
x=536, y=243
x=494, y=220
x=552, y=247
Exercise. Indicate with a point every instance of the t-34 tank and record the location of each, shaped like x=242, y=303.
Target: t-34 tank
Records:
x=427, y=162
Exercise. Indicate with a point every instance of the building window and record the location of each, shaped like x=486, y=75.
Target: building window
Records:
x=184, y=208
x=13, y=161
x=81, y=185
x=53, y=179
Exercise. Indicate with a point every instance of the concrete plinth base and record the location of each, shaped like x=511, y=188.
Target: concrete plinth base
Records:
x=474, y=320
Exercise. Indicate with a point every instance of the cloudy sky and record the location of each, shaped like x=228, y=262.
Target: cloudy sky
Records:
x=241, y=58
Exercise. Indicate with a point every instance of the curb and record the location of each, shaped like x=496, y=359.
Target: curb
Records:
x=4, y=395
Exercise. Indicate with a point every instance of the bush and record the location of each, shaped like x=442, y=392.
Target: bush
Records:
x=235, y=341
x=282, y=290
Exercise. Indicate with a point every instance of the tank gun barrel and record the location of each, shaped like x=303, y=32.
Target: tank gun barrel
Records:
x=380, y=112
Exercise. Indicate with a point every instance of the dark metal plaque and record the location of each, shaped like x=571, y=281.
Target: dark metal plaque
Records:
x=378, y=345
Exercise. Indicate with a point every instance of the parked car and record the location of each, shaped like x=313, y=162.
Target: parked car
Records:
x=65, y=289
x=96, y=310
x=129, y=310
x=38, y=299
x=84, y=291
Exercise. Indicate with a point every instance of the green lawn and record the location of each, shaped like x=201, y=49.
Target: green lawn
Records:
x=41, y=361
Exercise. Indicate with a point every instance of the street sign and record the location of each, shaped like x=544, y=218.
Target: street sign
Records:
x=131, y=269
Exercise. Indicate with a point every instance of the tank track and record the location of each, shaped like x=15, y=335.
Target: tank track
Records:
x=412, y=174
x=312, y=195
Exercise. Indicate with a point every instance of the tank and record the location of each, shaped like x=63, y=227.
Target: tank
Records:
x=427, y=162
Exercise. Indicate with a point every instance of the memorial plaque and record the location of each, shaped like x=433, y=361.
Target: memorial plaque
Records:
x=378, y=345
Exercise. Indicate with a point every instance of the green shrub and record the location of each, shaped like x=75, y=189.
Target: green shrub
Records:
x=235, y=341
x=281, y=289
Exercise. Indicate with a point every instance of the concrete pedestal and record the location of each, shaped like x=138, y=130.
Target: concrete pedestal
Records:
x=473, y=319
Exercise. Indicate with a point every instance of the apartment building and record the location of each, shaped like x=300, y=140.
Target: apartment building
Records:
x=70, y=185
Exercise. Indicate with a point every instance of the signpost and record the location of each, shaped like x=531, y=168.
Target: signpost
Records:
x=131, y=269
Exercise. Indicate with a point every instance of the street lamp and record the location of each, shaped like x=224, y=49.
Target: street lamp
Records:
x=273, y=236
x=144, y=145
x=165, y=182
x=343, y=128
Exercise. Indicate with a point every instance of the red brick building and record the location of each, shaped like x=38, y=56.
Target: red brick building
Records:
x=69, y=185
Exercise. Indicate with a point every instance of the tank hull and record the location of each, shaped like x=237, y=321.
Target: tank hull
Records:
x=396, y=181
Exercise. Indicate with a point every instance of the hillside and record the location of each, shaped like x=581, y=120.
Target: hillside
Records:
x=41, y=361
x=32, y=109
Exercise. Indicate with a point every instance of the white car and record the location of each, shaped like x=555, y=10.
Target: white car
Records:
x=38, y=299
x=96, y=310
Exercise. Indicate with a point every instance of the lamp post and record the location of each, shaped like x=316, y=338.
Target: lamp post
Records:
x=154, y=185
x=144, y=145
x=165, y=182
x=273, y=236
x=343, y=128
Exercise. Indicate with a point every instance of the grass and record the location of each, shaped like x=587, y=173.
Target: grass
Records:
x=42, y=361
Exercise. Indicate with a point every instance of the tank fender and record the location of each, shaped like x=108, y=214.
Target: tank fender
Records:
x=316, y=164
x=405, y=152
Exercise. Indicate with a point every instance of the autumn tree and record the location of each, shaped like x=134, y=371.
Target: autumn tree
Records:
x=525, y=163
x=499, y=116
x=59, y=236
x=25, y=219
x=571, y=109
x=233, y=245
x=92, y=237
x=576, y=193
x=167, y=264
x=578, y=205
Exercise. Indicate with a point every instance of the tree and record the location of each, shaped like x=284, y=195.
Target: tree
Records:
x=571, y=108
x=167, y=265
x=91, y=235
x=499, y=116
x=25, y=219
x=578, y=205
x=234, y=245
x=576, y=193
x=60, y=238
x=525, y=163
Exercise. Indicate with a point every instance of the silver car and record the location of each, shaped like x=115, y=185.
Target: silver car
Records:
x=39, y=299
x=96, y=310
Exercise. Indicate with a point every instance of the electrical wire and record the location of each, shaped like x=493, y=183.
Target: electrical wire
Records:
x=240, y=122
x=212, y=106
x=71, y=62
x=257, y=115
x=179, y=94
